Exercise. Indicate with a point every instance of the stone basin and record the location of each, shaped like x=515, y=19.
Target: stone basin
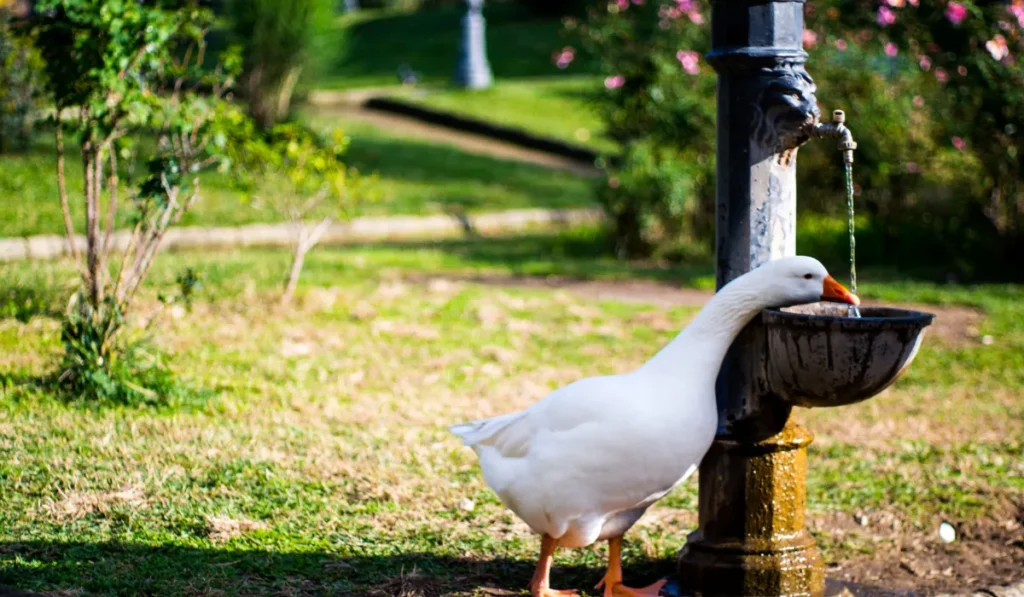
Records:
x=819, y=356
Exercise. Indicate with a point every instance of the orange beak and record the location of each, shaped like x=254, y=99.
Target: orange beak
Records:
x=835, y=292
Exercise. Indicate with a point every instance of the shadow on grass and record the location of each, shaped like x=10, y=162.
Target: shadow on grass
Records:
x=454, y=177
x=23, y=302
x=576, y=254
x=120, y=568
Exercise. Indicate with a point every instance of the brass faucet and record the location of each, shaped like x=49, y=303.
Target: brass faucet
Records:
x=836, y=130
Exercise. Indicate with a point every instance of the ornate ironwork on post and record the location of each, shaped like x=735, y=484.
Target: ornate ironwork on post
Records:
x=751, y=538
x=473, y=70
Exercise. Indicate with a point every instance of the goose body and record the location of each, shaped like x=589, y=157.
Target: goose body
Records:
x=585, y=462
x=569, y=465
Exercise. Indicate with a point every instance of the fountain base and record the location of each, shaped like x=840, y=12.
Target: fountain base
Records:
x=752, y=539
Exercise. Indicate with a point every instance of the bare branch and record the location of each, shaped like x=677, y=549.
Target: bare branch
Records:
x=131, y=63
x=89, y=156
x=314, y=236
x=62, y=188
x=128, y=252
x=112, y=207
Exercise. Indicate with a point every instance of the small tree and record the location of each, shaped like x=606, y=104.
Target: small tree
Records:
x=280, y=38
x=119, y=72
x=301, y=177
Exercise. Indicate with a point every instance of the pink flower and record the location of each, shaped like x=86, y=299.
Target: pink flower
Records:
x=997, y=47
x=926, y=63
x=840, y=45
x=690, y=61
x=810, y=38
x=941, y=75
x=622, y=4
x=564, y=58
x=912, y=2
x=614, y=82
x=959, y=143
x=918, y=101
x=1017, y=10
x=891, y=50
x=956, y=12
x=913, y=168
x=886, y=16
x=895, y=3
x=669, y=12
x=691, y=9
x=962, y=70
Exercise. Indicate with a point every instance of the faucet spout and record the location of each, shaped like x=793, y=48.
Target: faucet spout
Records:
x=836, y=130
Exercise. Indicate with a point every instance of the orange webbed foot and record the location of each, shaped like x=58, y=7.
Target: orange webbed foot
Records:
x=617, y=589
x=549, y=592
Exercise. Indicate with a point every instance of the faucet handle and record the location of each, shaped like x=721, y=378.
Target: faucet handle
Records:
x=838, y=116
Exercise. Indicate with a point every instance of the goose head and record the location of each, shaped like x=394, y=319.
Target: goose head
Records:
x=798, y=281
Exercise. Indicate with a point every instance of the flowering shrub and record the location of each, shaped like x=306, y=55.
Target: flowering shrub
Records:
x=956, y=69
x=658, y=105
x=933, y=90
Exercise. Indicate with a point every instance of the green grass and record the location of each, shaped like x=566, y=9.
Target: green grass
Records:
x=529, y=92
x=373, y=44
x=321, y=464
x=416, y=177
x=558, y=107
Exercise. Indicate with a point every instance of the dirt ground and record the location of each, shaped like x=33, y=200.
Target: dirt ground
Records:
x=916, y=561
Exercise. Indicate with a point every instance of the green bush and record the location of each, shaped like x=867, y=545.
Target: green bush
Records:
x=282, y=41
x=956, y=70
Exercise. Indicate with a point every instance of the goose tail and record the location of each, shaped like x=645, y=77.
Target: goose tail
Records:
x=477, y=431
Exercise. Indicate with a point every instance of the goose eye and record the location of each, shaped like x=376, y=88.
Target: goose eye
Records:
x=808, y=276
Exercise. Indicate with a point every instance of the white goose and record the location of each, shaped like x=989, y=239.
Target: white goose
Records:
x=586, y=462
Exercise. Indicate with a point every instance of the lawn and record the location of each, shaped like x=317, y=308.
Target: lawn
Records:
x=529, y=91
x=318, y=462
x=371, y=45
x=557, y=107
x=416, y=177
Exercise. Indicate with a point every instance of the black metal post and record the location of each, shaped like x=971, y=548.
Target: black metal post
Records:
x=751, y=539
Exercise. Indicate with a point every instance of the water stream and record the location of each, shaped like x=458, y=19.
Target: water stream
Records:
x=853, y=310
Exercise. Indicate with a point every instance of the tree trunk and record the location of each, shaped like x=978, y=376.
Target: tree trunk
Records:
x=307, y=240
x=285, y=91
x=94, y=259
x=629, y=241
